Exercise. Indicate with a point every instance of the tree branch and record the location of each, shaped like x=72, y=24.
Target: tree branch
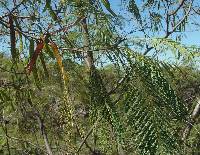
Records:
x=88, y=134
x=180, y=5
x=42, y=127
x=16, y=7
x=192, y=121
x=181, y=21
x=43, y=132
x=87, y=145
x=5, y=24
x=175, y=27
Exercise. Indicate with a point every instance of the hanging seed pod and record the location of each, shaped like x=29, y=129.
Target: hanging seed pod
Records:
x=37, y=51
x=12, y=39
x=35, y=72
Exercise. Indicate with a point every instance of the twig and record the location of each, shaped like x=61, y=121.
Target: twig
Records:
x=175, y=27
x=66, y=28
x=4, y=23
x=196, y=11
x=119, y=82
x=7, y=140
x=180, y=5
x=181, y=21
x=10, y=12
x=148, y=50
x=18, y=139
x=82, y=49
x=42, y=127
x=78, y=130
x=44, y=134
x=17, y=6
x=88, y=134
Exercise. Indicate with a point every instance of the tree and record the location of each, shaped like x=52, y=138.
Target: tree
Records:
x=60, y=95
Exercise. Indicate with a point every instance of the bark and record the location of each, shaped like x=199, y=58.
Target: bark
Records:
x=44, y=134
x=88, y=55
x=89, y=60
x=42, y=127
x=192, y=120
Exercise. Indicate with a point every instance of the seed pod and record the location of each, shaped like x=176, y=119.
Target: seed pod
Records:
x=12, y=39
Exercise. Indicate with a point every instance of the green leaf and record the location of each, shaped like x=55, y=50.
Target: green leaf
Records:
x=47, y=49
x=132, y=7
x=149, y=3
x=106, y=3
x=44, y=66
x=150, y=107
x=49, y=8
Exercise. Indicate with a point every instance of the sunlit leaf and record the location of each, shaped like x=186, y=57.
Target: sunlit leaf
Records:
x=133, y=8
x=59, y=60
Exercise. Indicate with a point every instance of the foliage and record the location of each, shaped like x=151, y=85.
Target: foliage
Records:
x=74, y=84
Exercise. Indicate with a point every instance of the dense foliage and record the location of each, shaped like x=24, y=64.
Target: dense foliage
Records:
x=80, y=77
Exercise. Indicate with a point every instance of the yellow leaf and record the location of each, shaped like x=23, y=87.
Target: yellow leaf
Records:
x=59, y=61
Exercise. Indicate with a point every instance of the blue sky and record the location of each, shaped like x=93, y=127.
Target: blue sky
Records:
x=191, y=36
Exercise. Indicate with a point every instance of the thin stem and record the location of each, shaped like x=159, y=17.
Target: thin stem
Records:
x=180, y=5
x=88, y=134
x=7, y=140
x=190, y=123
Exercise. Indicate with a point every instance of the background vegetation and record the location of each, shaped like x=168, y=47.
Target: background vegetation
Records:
x=80, y=77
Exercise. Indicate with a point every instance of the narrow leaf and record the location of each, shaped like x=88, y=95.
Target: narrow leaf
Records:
x=49, y=8
x=59, y=60
x=106, y=3
x=135, y=10
x=44, y=65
